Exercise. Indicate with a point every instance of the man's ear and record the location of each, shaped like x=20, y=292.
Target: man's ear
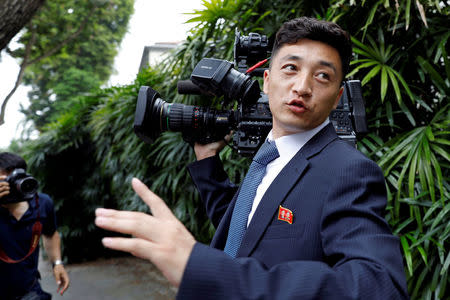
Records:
x=336, y=102
x=266, y=82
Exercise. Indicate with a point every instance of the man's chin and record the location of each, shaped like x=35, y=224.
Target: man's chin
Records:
x=288, y=130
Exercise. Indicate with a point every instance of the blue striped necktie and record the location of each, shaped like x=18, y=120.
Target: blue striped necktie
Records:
x=244, y=202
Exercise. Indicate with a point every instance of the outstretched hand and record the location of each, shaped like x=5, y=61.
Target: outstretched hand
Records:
x=160, y=238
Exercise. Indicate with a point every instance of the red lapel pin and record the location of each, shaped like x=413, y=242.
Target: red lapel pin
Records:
x=285, y=214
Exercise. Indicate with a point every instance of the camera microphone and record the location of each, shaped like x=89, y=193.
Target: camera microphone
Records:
x=187, y=87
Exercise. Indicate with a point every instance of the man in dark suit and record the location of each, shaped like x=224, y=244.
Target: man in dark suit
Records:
x=314, y=226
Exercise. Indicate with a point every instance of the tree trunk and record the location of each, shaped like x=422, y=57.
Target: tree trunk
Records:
x=14, y=15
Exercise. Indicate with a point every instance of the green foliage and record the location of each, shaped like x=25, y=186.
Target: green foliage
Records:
x=410, y=138
x=73, y=44
x=377, y=59
x=401, y=57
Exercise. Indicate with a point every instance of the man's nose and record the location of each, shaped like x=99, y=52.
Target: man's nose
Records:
x=302, y=85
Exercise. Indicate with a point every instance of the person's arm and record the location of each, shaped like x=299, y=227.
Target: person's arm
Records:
x=212, y=182
x=361, y=258
x=215, y=188
x=52, y=246
x=363, y=262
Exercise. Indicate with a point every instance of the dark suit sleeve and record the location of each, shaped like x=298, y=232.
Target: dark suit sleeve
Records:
x=214, y=186
x=362, y=258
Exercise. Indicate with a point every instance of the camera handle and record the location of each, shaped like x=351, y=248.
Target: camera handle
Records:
x=35, y=235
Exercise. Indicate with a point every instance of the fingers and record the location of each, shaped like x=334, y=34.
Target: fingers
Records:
x=228, y=137
x=4, y=188
x=135, y=223
x=65, y=283
x=203, y=151
x=160, y=238
x=112, y=213
x=136, y=246
x=170, y=258
x=62, y=279
x=62, y=287
x=138, y=224
x=157, y=206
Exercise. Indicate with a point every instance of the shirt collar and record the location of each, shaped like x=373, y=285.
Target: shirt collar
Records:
x=289, y=145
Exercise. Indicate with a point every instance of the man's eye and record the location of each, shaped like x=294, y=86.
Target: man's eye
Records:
x=323, y=76
x=290, y=67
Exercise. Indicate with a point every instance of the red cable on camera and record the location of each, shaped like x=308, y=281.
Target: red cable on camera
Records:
x=251, y=69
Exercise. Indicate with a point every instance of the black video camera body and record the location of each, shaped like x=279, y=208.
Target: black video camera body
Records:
x=22, y=187
x=251, y=121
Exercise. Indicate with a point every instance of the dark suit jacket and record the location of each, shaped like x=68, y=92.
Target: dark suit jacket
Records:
x=338, y=246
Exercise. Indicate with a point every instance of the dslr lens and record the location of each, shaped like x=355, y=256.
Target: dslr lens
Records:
x=27, y=185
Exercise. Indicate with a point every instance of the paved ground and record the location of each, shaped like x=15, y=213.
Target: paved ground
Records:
x=110, y=279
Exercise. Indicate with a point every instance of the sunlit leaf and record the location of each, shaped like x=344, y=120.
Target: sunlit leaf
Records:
x=371, y=74
x=384, y=83
x=407, y=253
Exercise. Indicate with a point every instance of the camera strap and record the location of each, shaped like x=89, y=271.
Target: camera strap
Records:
x=35, y=235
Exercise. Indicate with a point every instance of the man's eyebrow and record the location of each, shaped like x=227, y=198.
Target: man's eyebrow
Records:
x=328, y=64
x=291, y=57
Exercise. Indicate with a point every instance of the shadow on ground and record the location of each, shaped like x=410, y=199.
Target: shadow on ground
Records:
x=110, y=279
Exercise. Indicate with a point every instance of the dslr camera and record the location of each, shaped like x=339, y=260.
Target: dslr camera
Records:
x=22, y=187
x=251, y=120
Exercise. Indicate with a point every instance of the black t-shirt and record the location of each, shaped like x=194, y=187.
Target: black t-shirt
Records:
x=15, y=240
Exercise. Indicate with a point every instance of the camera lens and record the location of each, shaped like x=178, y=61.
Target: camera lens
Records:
x=146, y=126
x=198, y=124
x=27, y=186
x=237, y=85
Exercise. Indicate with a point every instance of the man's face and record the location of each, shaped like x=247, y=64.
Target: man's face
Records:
x=303, y=86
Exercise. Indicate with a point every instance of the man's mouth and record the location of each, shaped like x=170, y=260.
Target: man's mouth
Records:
x=297, y=105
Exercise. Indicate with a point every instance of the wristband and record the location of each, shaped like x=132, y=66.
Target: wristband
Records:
x=57, y=262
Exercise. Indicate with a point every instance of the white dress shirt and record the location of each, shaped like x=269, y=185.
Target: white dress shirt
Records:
x=287, y=147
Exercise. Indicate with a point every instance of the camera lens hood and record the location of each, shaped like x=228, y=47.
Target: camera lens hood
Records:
x=27, y=186
x=146, y=126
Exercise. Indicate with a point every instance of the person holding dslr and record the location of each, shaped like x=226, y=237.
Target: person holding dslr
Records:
x=308, y=220
x=24, y=216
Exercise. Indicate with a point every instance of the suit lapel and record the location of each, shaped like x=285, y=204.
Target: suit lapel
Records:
x=274, y=195
x=281, y=187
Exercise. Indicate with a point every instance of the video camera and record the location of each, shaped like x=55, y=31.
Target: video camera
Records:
x=251, y=121
x=22, y=187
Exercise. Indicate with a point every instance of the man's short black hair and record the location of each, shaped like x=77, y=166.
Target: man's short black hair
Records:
x=323, y=31
x=10, y=161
